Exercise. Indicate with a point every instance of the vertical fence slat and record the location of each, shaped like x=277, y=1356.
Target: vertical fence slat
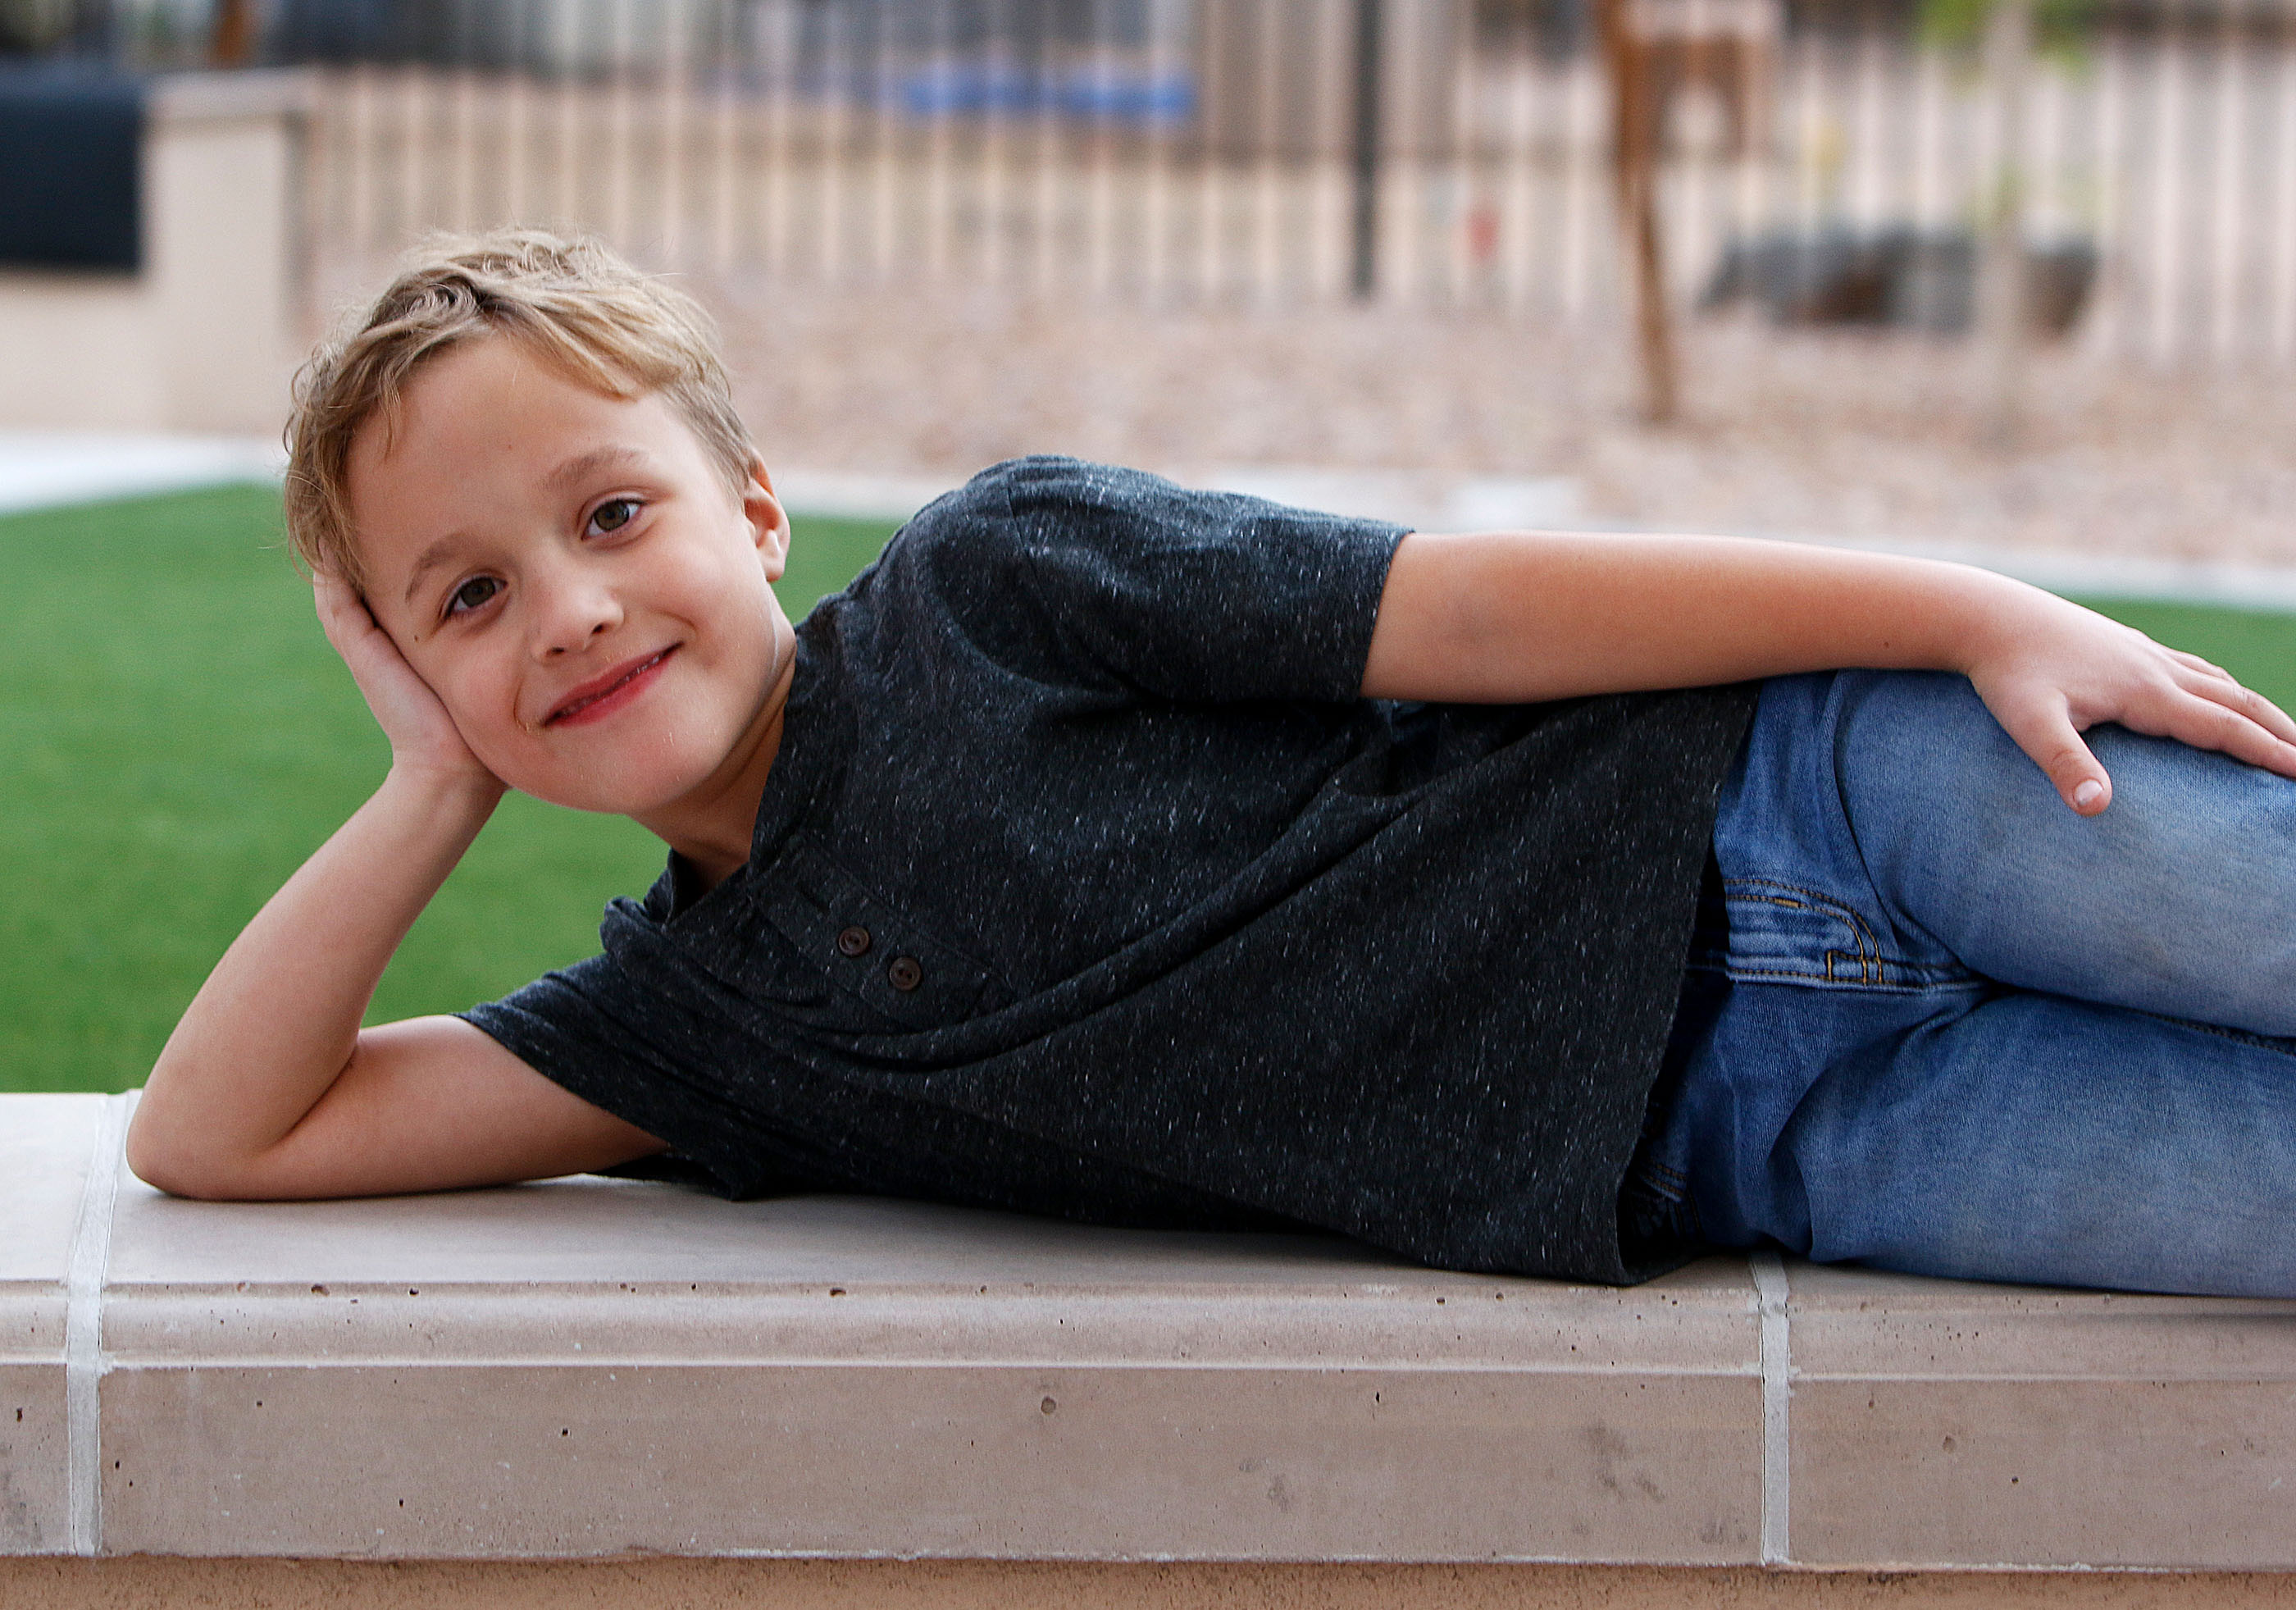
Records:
x=724, y=135
x=362, y=122
x=1099, y=222
x=2047, y=158
x=2165, y=163
x=1929, y=201
x=1517, y=94
x=1209, y=53
x=1867, y=203
x=666, y=128
x=1156, y=198
x=2283, y=317
x=1266, y=167
x=1328, y=69
x=884, y=138
x=2225, y=238
x=2107, y=321
x=1583, y=112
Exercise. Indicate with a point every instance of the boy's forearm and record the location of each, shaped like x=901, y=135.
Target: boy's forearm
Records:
x=278, y=1019
x=1522, y=618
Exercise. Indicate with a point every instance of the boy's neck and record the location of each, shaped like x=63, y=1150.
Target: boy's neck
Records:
x=711, y=828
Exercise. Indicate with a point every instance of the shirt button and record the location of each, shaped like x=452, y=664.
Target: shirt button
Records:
x=904, y=974
x=853, y=941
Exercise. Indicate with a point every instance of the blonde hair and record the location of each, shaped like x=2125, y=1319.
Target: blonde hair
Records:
x=570, y=302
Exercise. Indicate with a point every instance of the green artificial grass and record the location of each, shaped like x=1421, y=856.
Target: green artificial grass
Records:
x=176, y=736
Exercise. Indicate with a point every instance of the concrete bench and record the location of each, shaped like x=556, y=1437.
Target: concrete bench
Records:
x=593, y=1370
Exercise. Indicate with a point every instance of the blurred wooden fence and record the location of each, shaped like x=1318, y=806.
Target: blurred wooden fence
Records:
x=1166, y=150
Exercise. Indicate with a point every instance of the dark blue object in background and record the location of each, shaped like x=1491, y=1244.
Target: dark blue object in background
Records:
x=72, y=144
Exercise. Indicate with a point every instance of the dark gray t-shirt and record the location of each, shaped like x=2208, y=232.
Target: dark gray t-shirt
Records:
x=1086, y=883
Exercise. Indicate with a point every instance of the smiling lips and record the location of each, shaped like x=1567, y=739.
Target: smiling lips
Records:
x=604, y=694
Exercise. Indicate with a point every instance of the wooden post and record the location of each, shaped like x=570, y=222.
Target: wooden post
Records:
x=232, y=42
x=1635, y=130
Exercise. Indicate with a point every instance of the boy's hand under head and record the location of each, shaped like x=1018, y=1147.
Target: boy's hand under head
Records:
x=576, y=583
x=424, y=743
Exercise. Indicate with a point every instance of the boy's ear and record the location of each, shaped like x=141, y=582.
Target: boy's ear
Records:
x=769, y=524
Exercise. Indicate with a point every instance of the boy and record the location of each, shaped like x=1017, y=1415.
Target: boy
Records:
x=1156, y=857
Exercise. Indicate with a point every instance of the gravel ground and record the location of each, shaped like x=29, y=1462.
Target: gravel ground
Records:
x=1799, y=433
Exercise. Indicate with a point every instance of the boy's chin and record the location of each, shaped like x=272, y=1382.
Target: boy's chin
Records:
x=641, y=795
x=605, y=802
x=655, y=776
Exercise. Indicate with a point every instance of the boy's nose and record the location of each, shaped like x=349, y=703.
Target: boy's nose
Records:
x=572, y=615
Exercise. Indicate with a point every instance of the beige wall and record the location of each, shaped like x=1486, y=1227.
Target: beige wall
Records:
x=76, y=350
x=207, y=336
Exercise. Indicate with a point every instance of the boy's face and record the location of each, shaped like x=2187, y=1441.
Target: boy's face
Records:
x=572, y=575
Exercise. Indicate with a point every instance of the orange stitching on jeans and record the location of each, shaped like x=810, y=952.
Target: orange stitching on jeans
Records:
x=1871, y=968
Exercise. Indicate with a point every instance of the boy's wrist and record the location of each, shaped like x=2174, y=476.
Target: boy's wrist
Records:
x=1995, y=613
x=458, y=789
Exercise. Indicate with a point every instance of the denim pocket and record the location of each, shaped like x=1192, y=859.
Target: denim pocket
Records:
x=1769, y=929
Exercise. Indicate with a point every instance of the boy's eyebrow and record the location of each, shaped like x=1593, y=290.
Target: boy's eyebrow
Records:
x=574, y=469
x=590, y=462
x=429, y=560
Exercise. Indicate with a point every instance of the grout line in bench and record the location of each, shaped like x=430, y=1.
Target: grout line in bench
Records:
x=84, y=1360
x=1771, y=1294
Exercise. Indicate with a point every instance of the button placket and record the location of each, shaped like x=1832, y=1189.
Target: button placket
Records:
x=871, y=948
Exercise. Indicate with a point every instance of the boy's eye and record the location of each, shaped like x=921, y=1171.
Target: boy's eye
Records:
x=613, y=514
x=472, y=593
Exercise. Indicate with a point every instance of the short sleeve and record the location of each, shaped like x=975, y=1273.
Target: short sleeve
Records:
x=593, y=1031
x=1067, y=571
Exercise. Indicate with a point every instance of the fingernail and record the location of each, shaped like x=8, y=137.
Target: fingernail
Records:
x=2088, y=793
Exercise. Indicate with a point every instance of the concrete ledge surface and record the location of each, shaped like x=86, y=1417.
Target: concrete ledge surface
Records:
x=591, y=1369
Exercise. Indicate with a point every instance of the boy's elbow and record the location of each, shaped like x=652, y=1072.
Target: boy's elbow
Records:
x=158, y=1166
x=165, y=1164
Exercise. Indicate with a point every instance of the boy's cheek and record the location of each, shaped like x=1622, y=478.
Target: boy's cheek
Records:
x=487, y=718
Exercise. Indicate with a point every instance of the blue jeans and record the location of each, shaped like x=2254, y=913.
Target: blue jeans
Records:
x=1935, y=1021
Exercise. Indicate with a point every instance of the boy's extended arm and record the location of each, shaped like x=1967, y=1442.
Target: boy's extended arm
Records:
x=269, y=1088
x=1514, y=616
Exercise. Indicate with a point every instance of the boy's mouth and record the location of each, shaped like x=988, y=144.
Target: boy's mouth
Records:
x=604, y=694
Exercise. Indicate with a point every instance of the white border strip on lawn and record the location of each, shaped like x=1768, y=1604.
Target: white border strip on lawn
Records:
x=1436, y=501
x=52, y=469
x=853, y=495
x=1771, y=1293
x=84, y=1362
x=41, y=469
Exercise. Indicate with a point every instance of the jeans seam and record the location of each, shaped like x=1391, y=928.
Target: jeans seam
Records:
x=2246, y=1036
x=1820, y=981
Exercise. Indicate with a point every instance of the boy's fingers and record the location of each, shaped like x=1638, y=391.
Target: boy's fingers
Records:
x=2254, y=706
x=2247, y=708
x=2208, y=725
x=340, y=605
x=2081, y=782
x=2048, y=736
x=2205, y=666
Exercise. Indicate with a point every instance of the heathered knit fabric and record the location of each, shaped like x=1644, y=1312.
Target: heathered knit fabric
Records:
x=1085, y=883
